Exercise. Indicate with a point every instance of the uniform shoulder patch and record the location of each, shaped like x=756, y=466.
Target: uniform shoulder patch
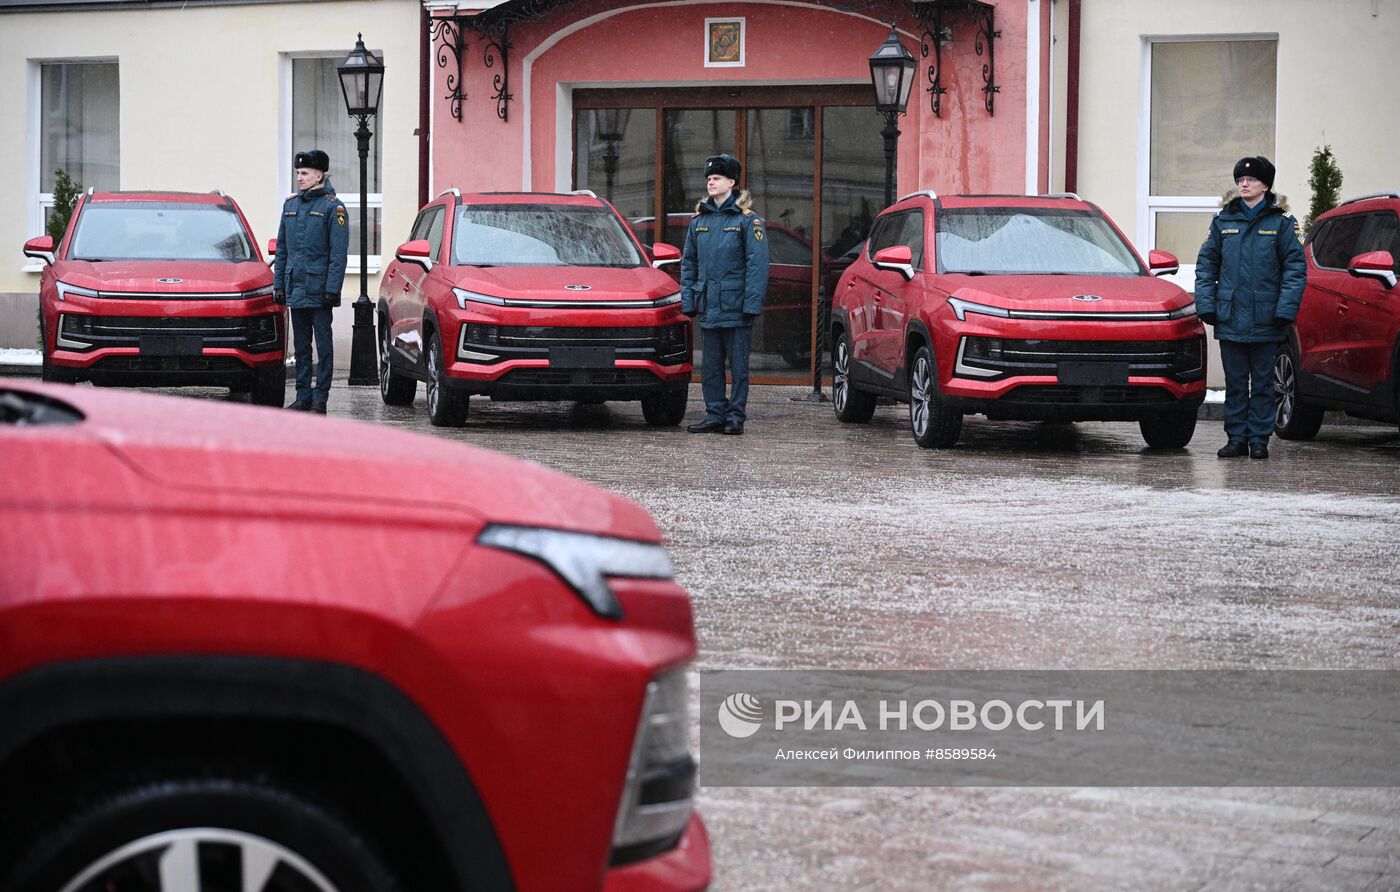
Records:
x=340, y=218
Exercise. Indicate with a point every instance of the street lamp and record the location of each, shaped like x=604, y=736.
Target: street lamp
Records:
x=361, y=80
x=892, y=74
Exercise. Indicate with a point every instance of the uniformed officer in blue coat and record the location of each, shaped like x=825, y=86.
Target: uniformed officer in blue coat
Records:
x=724, y=274
x=1249, y=285
x=312, y=242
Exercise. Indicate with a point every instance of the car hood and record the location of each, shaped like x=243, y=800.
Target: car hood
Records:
x=143, y=275
x=1127, y=294
x=328, y=463
x=552, y=282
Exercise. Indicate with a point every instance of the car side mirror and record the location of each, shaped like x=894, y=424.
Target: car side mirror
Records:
x=271, y=251
x=663, y=254
x=1377, y=265
x=1162, y=263
x=896, y=258
x=40, y=248
x=417, y=251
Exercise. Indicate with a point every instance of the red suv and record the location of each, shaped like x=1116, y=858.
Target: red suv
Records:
x=1344, y=350
x=526, y=296
x=1014, y=307
x=423, y=667
x=161, y=289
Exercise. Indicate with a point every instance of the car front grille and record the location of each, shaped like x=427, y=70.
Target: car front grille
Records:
x=1065, y=394
x=577, y=377
x=664, y=344
x=255, y=334
x=1179, y=360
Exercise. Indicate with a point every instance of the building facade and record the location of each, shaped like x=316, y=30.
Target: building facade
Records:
x=1140, y=107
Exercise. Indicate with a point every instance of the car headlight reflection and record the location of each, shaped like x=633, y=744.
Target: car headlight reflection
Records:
x=64, y=289
x=465, y=297
x=583, y=561
x=1188, y=310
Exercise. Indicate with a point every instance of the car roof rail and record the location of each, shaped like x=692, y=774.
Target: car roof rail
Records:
x=925, y=192
x=589, y=192
x=218, y=192
x=1073, y=196
x=453, y=191
x=91, y=189
x=1369, y=196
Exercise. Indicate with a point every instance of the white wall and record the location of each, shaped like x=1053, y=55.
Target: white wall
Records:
x=200, y=104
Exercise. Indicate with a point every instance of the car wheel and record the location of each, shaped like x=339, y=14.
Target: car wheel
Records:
x=852, y=406
x=395, y=388
x=1293, y=419
x=934, y=423
x=269, y=386
x=445, y=408
x=665, y=409
x=199, y=835
x=1172, y=429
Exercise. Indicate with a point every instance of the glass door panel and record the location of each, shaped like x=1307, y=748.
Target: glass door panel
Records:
x=781, y=148
x=853, y=190
x=615, y=157
x=692, y=135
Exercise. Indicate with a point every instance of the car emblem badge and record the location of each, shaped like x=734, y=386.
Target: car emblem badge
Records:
x=578, y=287
x=170, y=281
x=1086, y=297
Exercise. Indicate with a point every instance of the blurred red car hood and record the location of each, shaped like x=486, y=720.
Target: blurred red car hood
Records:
x=227, y=449
x=1125, y=294
x=143, y=275
x=577, y=283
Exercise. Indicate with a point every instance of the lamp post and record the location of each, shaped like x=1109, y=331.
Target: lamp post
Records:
x=361, y=80
x=892, y=74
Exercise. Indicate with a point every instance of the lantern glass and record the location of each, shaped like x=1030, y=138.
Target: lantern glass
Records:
x=361, y=80
x=892, y=74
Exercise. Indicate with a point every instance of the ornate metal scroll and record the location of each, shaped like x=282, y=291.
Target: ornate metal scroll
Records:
x=987, y=31
x=933, y=16
x=447, y=33
x=497, y=46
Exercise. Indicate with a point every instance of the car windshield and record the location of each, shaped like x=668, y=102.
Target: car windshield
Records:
x=1031, y=241
x=153, y=230
x=541, y=235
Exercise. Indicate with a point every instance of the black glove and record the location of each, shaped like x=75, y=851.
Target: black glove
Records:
x=1282, y=322
x=330, y=300
x=691, y=315
x=279, y=297
x=1208, y=318
x=750, y=318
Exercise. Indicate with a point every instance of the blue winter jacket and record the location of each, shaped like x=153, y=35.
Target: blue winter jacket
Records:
x=724, y=268
x=312, y=242
x=1250, y=273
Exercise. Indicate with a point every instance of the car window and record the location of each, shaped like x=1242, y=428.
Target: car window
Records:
x=1384, y=235
x=1337, y=244
x=420, y=225
x=541, y=235
x=1031, y=241
x=436, y=216
x=153, y=230
x=904, y=228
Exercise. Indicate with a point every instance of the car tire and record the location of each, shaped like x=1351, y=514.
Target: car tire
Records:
x=194, y=833
x=852, y=406
x=1293, y=419
x=1172, y=429
x=667, y=408
x=395, y=388
x=446, y=408
x=934, y=423
x=269, y=386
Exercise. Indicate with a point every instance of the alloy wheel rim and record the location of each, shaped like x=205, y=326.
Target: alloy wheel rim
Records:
x=176, y=860
x=839, y=379
x=432, y=378
x=1283, y=389
x=384, y=363
x=919, y=405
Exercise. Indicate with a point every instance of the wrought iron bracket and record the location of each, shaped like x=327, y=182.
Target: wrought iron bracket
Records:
x=933, y=17
x=453, y=46
x=452, y=49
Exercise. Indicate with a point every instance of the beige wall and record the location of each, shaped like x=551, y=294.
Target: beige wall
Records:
x=201, y=102
x=1334, y=64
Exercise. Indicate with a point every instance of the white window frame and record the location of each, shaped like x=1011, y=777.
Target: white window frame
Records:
x=1149, y=205
x=38, y=202
x=285, y=187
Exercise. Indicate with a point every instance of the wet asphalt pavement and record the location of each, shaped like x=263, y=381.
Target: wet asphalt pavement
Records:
x=807, y=543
